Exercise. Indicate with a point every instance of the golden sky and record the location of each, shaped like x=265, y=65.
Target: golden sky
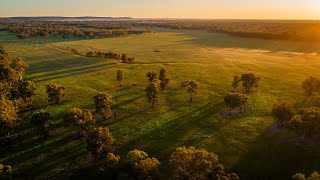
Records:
x=209, y=9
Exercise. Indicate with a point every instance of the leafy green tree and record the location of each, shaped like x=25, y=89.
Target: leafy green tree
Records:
x=8, y=118
x=14, y=96
x=152, y=93
x=80, y=118
x=283, y=112
x=5, y=172
x=249, y=81
x=192, y=163
x=299, y=176
x=235, y=83
x=124, y=58
x=120, y=75
x=234, y=100
x=20, y=66
x=164, y=79
x=153, y=76
x=56, y=93
x=141, y=166
x=43, y=122
x=99, y=142
x=4, y=89
x=311, y=85
x=103, y=103
x=26, y=90
x=192, y=88
x=8, y=75
x=112, y=166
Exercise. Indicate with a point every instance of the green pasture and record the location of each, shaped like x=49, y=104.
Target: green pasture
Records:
x=247, y=144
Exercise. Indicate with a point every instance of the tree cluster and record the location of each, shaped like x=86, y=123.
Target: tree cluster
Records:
x=108, y=55
x=184, y=163
x=306, y=123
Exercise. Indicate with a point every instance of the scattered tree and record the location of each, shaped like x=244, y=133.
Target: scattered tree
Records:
x=8, y=118
x=103, y=103
x=152, y=93
x=120, y=75
x=153, y=76
x=164, y=79
x=141, y=166
x=311, y=85
x=5, y=172
x=249, y=81
x=124, y=57
x=235, y=83
x=192, y=88
x=26, y=90
x=43, y=122
x=80, y=118
x=56, y=93
x=299, y=176
x=99, y=142
x=20, y=66
x=234, y=100
x=283, y=112
x=112, y=166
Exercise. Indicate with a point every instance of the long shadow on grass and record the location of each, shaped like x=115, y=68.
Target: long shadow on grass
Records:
x=276, y=156
x=75, y=73
x=220, y=40
x=35, y=149
x=73, y=70
x=163, y=139
x=52, y=160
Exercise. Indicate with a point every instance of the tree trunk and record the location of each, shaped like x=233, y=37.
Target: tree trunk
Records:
x=230, y=110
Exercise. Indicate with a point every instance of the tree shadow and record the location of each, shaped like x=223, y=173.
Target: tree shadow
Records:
x=276, y=156
x=166, y=137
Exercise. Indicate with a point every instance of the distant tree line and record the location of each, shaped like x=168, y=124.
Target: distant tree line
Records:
x=264, y=29
x=70, y=29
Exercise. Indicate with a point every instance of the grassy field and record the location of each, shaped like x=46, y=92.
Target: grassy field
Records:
x=246, y=144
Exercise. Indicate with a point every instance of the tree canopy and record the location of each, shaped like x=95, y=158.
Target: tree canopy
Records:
x=8, y=118
x=103, y=102
x=56, y=93
x=283, y=112
x=99, y=142
x=43, y=122
x=192, y=88
x=80, y=118
x=152, y=91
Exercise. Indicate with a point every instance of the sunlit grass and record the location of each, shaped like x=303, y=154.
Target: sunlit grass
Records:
x=211, y=59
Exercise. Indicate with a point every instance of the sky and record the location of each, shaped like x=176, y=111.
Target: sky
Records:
x=204, y=9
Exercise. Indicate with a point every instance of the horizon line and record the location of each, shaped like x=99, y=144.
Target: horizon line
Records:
x=168, y=18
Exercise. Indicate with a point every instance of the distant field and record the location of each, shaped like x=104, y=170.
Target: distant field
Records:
x=245, y=144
